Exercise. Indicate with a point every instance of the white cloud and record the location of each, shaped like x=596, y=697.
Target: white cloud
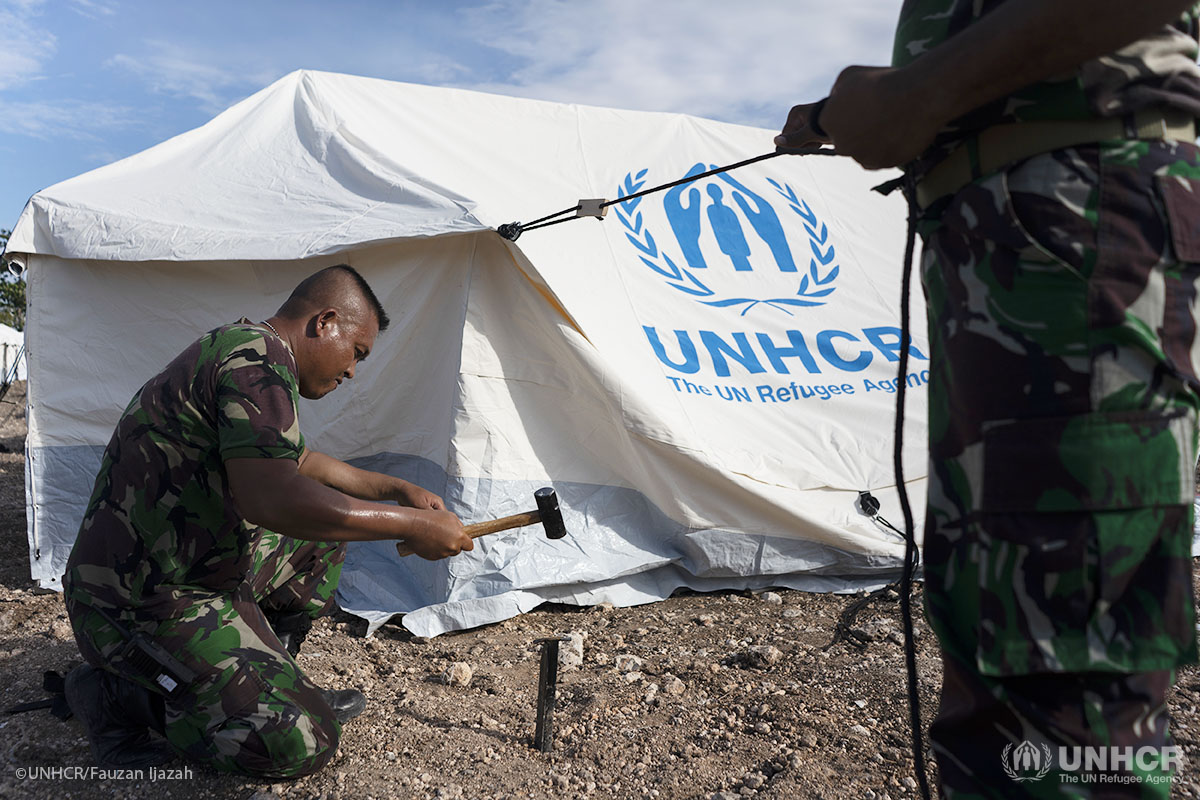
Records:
x=27, y=44
x=62, y=119
x=93, y=9
x=170, y=69
x=744, y=62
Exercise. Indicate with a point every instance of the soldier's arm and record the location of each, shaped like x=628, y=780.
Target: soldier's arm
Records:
x=365, y=484
x=272, y=493
x=885, y=117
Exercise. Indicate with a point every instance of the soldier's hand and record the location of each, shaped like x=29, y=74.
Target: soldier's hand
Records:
x=878, y=116
x=438, y=535
x=409, y=494
x=802, y=128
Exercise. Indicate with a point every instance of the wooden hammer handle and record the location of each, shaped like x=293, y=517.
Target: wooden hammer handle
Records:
x=477, y=529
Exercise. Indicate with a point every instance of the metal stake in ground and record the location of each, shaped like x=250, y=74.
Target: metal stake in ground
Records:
x=543, y=735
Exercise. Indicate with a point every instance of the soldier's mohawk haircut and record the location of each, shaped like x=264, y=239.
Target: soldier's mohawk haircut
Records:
x=316, y=289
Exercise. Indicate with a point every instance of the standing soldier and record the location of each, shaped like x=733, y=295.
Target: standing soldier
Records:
x=213, y=536
x=1052, y=149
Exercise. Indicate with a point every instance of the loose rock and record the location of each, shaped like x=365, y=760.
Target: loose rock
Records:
x=458, y=674
x=627, y=663
x=570, y=653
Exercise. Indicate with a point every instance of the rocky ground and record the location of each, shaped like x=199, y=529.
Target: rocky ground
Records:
x=724, y=695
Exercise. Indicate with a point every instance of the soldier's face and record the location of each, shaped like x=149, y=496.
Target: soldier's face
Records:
x=337, y=342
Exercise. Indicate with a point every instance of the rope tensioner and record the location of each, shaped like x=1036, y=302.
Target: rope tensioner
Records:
x=597, y=208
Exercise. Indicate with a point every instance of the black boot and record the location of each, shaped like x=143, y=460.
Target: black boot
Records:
x=118, y=716
x=346, y=703
x=291, y=627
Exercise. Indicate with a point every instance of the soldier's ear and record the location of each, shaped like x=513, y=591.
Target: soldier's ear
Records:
x=325, y=321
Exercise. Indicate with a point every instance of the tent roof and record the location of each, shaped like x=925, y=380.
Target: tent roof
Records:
x=292, y=171
x=317, y=163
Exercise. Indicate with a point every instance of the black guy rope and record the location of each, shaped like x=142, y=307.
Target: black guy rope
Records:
x=596, y=208
x=844, y=630
x=911, y=556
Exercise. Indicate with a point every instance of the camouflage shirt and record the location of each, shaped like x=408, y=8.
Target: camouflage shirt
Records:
x=162, y=524
x=1157, y=71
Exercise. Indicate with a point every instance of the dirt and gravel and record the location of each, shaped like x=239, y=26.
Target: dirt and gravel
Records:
x=723, y=695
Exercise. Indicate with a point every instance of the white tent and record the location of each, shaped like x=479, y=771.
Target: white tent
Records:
x=706, y=376
x=12, y=354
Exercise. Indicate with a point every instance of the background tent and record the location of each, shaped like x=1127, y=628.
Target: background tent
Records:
x=706, y=376
x=12, y=355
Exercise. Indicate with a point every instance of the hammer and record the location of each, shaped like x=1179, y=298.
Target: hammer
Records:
x=547, y=512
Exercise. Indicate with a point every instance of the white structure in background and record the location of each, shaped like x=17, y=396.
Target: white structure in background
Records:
x=12, y=355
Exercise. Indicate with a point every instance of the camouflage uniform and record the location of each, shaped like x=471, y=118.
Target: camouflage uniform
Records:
x=163, y=550
x=1063, y=402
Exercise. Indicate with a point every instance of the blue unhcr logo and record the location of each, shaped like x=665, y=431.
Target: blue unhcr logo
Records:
x=723, y=227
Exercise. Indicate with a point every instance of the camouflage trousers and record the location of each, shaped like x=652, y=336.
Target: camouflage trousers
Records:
x=251, y=710
x=1063, y=405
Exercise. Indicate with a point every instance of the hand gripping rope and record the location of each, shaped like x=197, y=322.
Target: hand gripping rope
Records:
x=868, y=504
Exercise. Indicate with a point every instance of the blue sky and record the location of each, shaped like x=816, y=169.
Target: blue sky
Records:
x=87, y=82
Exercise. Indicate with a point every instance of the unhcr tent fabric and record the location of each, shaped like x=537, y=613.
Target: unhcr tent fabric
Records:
x=707, y=375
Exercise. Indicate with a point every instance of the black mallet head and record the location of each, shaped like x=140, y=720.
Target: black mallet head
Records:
x=552, y=521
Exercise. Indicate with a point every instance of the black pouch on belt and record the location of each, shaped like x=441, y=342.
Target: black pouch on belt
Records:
x=148, y=659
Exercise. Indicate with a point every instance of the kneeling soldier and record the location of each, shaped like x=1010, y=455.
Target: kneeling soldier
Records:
x=213, y=536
